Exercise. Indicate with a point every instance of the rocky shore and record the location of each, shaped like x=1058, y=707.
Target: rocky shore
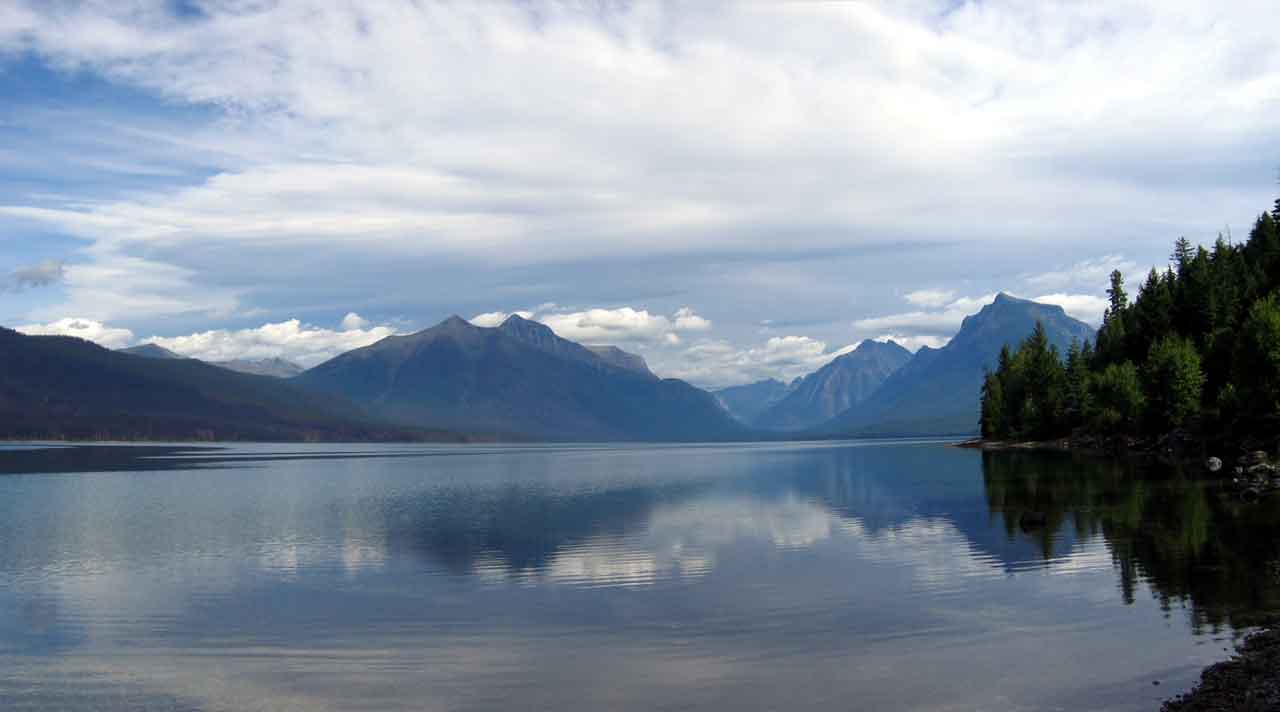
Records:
x=1250, y=680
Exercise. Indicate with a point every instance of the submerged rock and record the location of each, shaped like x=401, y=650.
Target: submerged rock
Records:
x=1213, y=464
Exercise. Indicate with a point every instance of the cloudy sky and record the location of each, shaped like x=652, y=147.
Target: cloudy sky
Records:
x=734, y=191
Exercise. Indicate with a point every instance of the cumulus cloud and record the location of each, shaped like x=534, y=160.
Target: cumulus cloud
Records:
x=292, y=340
x=353, y=322
x=913, y=342
x=491, y=319
x=1085, y=307
x=600, y=326
x=88, y=329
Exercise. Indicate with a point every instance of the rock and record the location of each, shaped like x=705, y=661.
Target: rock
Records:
x=1263, y=469
x=1239, y=470
x=1250, y=494
x=1213, y=464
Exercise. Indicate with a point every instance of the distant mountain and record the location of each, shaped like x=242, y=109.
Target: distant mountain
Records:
x=55, y=387
x=150, y=351
x=274, y=367
x=622, y=359
x=747, y=402
x=846, y=381
x=518, y=377
x=936, y=392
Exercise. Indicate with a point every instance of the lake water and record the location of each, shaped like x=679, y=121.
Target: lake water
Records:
x=872, y=576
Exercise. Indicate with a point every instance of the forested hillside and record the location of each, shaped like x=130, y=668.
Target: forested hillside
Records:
x=1197, y=349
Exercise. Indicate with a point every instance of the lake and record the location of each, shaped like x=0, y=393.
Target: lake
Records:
x=855, y=575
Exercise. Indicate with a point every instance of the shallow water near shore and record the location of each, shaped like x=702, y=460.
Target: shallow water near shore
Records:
x=859, y=575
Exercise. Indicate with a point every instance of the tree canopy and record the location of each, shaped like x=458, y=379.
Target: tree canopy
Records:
x=1198, y=346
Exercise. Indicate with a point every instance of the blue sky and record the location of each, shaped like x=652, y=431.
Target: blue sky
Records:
x=734, y=191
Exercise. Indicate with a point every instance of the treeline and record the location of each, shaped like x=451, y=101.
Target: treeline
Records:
x=1199, y=348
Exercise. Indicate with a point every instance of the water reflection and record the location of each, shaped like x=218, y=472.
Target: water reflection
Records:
x=1194, y=544
x=720, y=577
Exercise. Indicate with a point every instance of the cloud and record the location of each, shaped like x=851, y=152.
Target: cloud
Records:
x=1085, y=307
x=600, y=326
x=88, y=329
x=930, y=297
x=913, y=343
x=716, y=362
x=639, y=131
x=943, y=322
x=353, y=322
x=491, y=319
x=1092, y=274
x=292, y=340
x=41, y=274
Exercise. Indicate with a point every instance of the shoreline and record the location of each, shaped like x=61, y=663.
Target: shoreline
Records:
x=1248, y=680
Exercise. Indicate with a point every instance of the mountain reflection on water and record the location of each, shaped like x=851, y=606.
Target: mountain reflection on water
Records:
x=719, y=577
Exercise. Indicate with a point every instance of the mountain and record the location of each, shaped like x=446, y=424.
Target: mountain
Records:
x=518, y=377
x=843, y=383
x=274, y=367
x=623, y=359
x=937, y=391
x=150, y=351
x=746, y=402
x=56, y=387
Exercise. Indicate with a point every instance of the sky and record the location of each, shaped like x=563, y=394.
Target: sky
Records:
x=734, y=191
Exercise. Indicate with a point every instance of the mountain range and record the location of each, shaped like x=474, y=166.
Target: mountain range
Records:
x=516, y=380
x=844, y=383
x=519, y=377
x=937, y=391
x=60, y=387
x=748, y=401
x=274, y=367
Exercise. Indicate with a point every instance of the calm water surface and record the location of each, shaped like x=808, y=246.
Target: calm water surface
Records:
x=835, y=576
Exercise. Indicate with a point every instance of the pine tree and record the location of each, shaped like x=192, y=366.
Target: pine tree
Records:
x=1116, y=294
x=1182, y=253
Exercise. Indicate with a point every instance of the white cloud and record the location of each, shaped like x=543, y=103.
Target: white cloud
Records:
x=1094, y=274
x=648, y=130
x=353, y=322
x=491, y=319
x=1085, y=307
x=716, y=362
x=943, y=322
x=95, y=331
x=598, y=327
x=932, y=298
x=685, y=320
x=913, y=343
x=301, y=343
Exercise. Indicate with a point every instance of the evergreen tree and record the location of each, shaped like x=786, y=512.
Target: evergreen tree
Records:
x=1182, y=253
x=1116, y=294
x=1172, y=382
x=1258, y=358
x=993, y=420
x=1118, y=399
x=1078, y=405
